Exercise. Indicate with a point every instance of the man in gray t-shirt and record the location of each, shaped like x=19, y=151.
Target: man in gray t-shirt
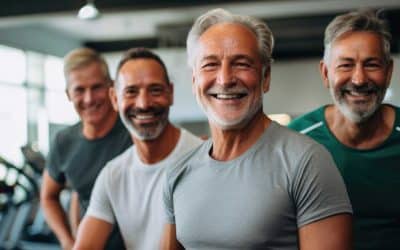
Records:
x=254, y=184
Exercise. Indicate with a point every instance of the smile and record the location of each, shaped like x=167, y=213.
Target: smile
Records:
x=145, y=117
x=229, y=96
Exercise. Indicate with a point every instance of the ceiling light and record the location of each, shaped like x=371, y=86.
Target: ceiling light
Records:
x=88, y=11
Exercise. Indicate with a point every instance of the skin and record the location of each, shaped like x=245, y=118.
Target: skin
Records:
x=141, y=84
x=88, y=91
x=227, y=57
x=74, y=213
x=358, y=58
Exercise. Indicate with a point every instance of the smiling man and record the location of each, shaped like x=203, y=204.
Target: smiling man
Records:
x=362, y=134
x=128, y=191
x=254, y=184
x=80, y=151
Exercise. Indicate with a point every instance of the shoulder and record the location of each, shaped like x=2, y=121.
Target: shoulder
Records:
x=189, y=139
x=175, y=171
x=72, y=131
x=118, y=162
x=291, y=147
x=308, y=121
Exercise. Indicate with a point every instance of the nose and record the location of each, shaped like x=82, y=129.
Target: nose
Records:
x=88, y=96
x=225, y=75
x=359, y=75
x=143, y=100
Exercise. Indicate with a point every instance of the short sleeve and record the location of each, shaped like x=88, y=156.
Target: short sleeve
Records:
x=53, y=164
x=100, y=205
x=318, y=188
x=168, y=202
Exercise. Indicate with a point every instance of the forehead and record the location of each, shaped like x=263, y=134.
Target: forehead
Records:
x=86, y=75
x=141, y=72
x=228, y=39
x=358, y=45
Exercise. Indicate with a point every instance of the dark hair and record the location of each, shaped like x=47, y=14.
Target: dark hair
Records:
x=141, y=53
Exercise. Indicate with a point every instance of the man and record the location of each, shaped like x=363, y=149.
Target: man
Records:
x=362, y=134
x=129, y=189
x=79, y=152
x=255, y=184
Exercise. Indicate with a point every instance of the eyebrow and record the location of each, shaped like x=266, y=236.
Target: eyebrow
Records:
x=234, y=57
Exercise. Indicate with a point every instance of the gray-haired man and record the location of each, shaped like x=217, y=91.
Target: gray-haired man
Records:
x=254, y=184
x=362, y=134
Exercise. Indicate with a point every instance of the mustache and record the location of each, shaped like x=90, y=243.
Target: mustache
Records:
x=227, y=90
x=151, y=110
x=365, y=88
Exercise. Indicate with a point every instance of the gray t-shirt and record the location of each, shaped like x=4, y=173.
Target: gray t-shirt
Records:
x=258, y=200
x=129, y=192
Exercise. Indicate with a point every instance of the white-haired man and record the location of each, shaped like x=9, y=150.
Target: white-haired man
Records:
x=254, y=184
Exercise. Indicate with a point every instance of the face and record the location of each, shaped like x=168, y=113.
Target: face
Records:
x=356, y=74
x=88, y=91
x=143, y=97
x=228, y=79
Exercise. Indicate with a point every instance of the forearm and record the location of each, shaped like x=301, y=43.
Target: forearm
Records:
x=92, y=234
x=74, y=213
x=57, y=221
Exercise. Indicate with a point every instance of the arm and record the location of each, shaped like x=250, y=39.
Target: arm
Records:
x=329, y=234
x=92, y=233
x=168, y=240
x=54, y=213
x=74, y=213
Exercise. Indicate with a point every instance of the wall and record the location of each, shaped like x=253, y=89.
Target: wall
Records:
x=296, y=86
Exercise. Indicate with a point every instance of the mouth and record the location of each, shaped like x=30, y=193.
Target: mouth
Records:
x=146, y=116
x=228, y=96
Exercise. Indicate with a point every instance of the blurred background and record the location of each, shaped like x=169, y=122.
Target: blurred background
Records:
x=35, y=35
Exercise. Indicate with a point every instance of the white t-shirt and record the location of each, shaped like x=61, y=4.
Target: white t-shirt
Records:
x=129, y=192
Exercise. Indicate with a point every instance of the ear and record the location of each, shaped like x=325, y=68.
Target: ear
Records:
x=267, y=79
x=389, y=72
x=193, y=84
x=113, y=97
x=171, y=92
x=323, y=69
x=67, y=93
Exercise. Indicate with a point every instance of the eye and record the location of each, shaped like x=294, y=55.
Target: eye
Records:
x=78, y=91
x=372, y=66
x=242, y=64
x=345, y=66
x=131, y=92
x=156, y=90
x=209, y=65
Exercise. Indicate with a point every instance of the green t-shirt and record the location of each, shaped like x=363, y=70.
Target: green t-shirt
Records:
x=372, y=178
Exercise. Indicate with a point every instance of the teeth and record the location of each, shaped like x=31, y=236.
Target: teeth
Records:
x=228, y=96
x=144, y=117
x=358, y=93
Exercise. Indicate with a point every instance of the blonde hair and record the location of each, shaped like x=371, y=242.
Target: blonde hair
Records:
x=82, y=57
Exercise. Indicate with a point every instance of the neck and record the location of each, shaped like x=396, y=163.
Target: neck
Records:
x=230, y=144
x=153, y=151
x=364, y=135
x=95, y=131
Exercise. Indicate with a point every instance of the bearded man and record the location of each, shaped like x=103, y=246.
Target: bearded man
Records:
x=128, y=191
x=361, y=133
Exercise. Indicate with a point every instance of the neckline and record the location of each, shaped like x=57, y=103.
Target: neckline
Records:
x=381, y=145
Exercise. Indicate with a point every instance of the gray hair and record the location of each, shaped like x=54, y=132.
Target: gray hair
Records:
x=362, y=20
x=264, y=35
x=82, y=57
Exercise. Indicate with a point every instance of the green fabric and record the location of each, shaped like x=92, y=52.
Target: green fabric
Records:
x=372, y=178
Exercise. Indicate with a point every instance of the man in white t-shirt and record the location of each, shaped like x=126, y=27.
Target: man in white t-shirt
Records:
x=128, y=191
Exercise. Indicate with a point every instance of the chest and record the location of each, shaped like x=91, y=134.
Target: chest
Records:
x=238, y=208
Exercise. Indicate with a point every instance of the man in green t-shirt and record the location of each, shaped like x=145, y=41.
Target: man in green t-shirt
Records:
x=362, y=134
